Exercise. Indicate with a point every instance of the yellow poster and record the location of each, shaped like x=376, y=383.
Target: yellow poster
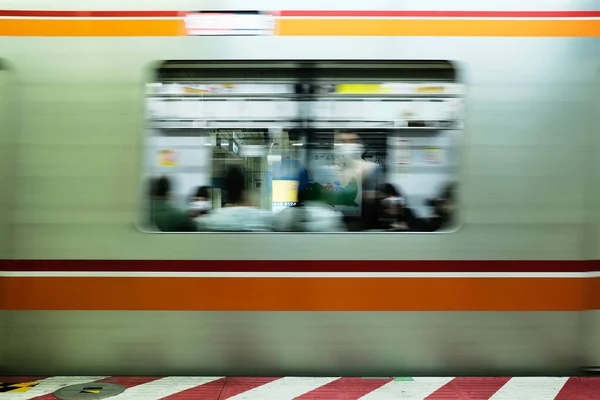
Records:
x=285, y=191
x=167, y=158
x=352, y=88
x=434, y=155
x=427, y=89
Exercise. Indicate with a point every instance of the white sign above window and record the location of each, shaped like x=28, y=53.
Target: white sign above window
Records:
x=229, y=24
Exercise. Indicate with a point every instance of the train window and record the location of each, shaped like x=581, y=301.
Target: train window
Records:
x=302, y=147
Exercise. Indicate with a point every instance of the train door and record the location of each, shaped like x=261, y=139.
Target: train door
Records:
x=7, y=131
x=590, y=320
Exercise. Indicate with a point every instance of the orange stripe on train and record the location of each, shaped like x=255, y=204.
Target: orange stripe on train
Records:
x=434, y=27
x=300, y=294
x=311, y=27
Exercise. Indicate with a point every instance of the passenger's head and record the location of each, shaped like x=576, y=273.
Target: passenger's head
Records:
x=201, y=193
x=200, y=200
x=349, y=145
x=235, y=184
x=160, y=188
x=388, y=190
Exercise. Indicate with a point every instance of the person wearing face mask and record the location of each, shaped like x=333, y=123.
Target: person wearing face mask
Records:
x=350, y=147
x=200, y=202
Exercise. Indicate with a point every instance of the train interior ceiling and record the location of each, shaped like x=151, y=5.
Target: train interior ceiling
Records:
x=277, y=119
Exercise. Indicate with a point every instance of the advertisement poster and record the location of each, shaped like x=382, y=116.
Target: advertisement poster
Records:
x=335, y=182
x=434, y=155
x=285, y=194
x=167, y=158
x=400, y=150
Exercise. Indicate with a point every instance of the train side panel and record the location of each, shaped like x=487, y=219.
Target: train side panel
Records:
x=524, y=196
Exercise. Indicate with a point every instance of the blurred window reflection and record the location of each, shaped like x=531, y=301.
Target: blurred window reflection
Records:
x=270, y=149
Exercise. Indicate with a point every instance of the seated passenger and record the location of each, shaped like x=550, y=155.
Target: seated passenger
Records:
x=392, y=208
x=443, y=207
x=165, y=216
x=398, y=216
x=442, y=212
x=200, y=202
x=308, y=215
x=237, y=215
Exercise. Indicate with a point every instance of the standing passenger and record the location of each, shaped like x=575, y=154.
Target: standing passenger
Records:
x=350, y=146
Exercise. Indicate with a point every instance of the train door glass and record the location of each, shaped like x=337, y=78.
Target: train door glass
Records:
x=7, y=179
x=374, y=145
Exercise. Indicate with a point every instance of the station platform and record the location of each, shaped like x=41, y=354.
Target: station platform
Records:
x=288, y=388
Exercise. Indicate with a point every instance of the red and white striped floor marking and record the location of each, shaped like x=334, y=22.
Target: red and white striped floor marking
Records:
x=163, y=387
x=469, y=388
x=419, y=388
x=530, y=389
x=236, y=386
x=580, y=389
x=208, y=391
x=287, y=388
x=345, y=388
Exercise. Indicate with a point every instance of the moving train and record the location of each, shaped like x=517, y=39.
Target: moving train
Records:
x=512, y=290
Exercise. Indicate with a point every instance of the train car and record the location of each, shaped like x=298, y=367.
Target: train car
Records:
x=87, y=290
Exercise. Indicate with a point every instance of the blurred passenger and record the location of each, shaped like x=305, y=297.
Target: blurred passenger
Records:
x=350, y=147
x=443, y=207
x=308, y=215
x=397, y=215
x=200, y=202
x=392, y=205
x=238, y=215
x=164, y=215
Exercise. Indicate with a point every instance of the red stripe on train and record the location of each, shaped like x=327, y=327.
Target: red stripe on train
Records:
x=539, y=266
x=313, y=13
x=82, y=14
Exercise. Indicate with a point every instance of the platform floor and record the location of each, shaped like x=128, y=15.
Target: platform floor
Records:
x=220, y=388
